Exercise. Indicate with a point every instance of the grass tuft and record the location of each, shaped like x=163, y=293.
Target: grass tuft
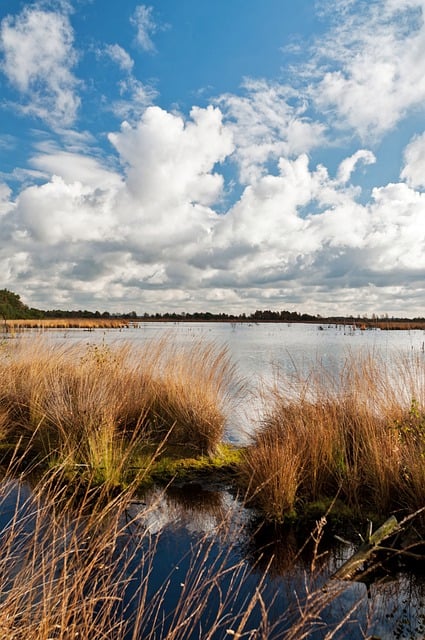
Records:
x=360, y=435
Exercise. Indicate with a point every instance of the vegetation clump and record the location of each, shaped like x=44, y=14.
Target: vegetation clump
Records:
x=112, y=414
x=98, y=409
x=360, y=436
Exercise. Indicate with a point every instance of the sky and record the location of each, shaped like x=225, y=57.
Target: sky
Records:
x=214, y=155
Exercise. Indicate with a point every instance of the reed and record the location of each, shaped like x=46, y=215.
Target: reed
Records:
x=65, y=323
x=97, y=407
x=359, y=435
x=190, y=395
x=82, y=565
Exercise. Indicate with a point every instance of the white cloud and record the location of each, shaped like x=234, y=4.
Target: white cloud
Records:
x=370, y=68
x=74, y=167
x=101, y=233
x=414, y=157
x=146, y=27
x=61, y=212
x=348, y=165
x=169, y=160
x=296, y=236
x=135, y=96
x=120, y=57
x=265, y=126
x=5, y=199
x=38, y=57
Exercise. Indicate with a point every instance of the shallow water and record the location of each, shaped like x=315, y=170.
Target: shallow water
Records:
x=199, y=548
x=188, y=519
x=198, y=532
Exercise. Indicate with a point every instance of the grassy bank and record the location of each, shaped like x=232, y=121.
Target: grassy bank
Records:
x=359, y=435
x=113, y=415
x=87, y=425
x=11, y=326
x=108, y=412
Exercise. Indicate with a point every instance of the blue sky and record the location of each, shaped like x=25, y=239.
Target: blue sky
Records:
x=225, y=156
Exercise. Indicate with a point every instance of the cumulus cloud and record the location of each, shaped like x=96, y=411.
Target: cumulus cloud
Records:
x=170, y=160
x=61, y=212
x=296, y=236
x=370, y=68
x=148, y=222
x=5, y=199
x=106, y=232
x=348, y=165
x=37, y=59
x=75, y=167
x=414, y=156
x=265, y=126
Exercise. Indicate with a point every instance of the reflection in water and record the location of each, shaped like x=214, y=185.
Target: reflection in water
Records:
x=191, y=508
x=198, y=531
x=197, y=560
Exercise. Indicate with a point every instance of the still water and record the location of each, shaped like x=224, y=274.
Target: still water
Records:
x=262, y=353
x=199, y=531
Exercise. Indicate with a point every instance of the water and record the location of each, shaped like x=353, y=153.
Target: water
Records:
x=261, y=352
x=202, y=554
x=198, y=532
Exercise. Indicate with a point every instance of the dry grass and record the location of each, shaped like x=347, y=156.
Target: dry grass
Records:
x=388, y=325
x=67, y=554
x=360, y=435
x=81, y=568
x=190, y=393
x=92, y=408
x=82, y=565
x=64, y=323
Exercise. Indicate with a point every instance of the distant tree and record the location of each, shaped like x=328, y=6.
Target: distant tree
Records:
x=12, y=307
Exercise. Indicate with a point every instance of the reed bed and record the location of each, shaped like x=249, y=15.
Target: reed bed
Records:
x=388, y=325
x=77, y=562
x=359, y=435
x=97, y=408
x=10, y=326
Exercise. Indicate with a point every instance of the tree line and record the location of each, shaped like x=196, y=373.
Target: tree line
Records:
x=12, y=308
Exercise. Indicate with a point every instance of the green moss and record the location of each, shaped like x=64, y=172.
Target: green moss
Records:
x=175, y=465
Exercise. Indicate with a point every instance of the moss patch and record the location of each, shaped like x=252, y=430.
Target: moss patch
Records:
x=173, y=465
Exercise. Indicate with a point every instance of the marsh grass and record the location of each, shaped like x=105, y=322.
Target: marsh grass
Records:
x=99, y=408
x=189, y=393
x=359, y=435
x=64, y=323
x=77, y=562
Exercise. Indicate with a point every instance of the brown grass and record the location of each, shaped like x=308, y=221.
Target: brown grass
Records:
x=11, y=326
x=95, y=407
x=66, y=565
x=64, y=556
x=360, y=435
x=69, y=562
x=388, y=325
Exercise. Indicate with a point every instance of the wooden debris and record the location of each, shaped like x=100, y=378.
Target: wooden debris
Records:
x=347, y=570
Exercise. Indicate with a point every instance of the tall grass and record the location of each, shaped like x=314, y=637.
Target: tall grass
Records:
x=94, y=408
x=190, y=392
x=359, y=434
x=64, y=323
x=83, y=569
